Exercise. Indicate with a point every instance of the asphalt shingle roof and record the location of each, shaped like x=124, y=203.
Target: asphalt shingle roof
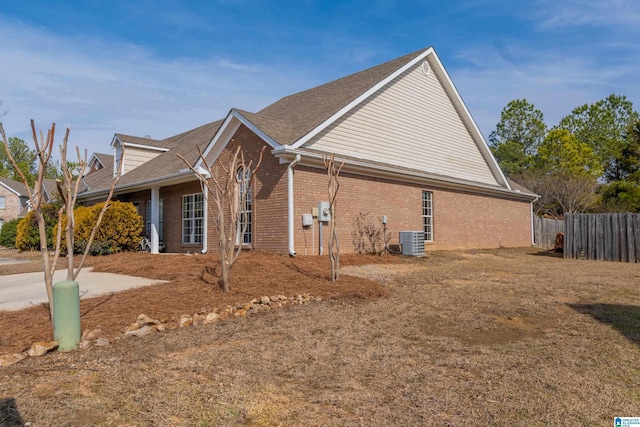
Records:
x=14, y=186
x=285, y=121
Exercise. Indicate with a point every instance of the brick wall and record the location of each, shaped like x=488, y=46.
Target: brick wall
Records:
x=12, y=205
x=460, y=220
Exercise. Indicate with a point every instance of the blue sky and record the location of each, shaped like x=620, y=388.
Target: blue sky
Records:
x=159, y=68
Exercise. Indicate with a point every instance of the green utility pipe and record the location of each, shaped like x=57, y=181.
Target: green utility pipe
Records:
x=66, y=315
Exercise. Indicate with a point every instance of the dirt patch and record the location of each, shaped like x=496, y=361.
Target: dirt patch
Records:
x=500, y=337
x=192, y=288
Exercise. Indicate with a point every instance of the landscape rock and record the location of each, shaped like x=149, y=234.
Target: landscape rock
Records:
x=185, y=320
x=102, y=342
x=84, y=344
x=145, y=330
x=241, y=312
x=10, y=359
x=144, y=320
x=88, y=335
x=265, y=300
x=41, y=348
x=210, y=318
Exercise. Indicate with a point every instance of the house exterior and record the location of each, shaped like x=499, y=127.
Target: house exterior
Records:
x=411, y=153
x=13, y=200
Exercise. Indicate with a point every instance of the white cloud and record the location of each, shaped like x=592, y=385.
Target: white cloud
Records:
x=555, y=15
x=555, y=81
x=99, y=89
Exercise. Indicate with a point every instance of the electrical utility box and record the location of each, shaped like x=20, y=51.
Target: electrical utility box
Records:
x=324, y=213
x=412, y=243
x=307, y=220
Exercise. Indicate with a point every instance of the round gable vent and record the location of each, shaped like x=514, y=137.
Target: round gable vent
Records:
x=426, y=69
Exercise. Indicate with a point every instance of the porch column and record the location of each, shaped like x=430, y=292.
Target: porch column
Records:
x=155, y=220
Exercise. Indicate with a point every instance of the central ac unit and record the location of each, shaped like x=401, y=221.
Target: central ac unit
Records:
x=412, y=243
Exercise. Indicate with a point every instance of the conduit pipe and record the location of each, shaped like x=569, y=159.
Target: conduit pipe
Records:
x=295, y=161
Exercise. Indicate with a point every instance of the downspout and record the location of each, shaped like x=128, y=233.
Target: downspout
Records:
x=205, y=220
x=533, y=231
x=295, y=161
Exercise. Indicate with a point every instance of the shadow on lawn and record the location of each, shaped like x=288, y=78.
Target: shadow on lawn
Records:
x=9, y=415
x=625, y=318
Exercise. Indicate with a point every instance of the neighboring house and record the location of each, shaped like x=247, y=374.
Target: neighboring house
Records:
x=13, y=200
x=411, y=152
x=98, y=161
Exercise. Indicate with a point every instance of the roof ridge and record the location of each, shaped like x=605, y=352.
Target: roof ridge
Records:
x=401, y=59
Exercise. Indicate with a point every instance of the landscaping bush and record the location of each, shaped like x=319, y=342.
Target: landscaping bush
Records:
x=8, y=233
x=119, y=231
x=28, y=236
x=368, y=235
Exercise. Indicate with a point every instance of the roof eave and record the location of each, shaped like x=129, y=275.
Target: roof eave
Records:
x=386, y=171
x=184, y=175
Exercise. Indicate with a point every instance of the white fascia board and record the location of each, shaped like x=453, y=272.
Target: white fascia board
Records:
x=115, y=141
x=10, y=189
x=360, y=99
x=364, y=168
x=471, y=125
x=176, y=178
x=255, y=129
x=216, y=139
x=233, y=121
x=146, y=147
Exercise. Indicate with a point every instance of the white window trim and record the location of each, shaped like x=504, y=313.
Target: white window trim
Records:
x=193, y=238
x=248, y=235
x=3, y=204
x=427, y=216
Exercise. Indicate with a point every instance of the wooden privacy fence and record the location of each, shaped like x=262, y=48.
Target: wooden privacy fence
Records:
x=545, y=231
x=608, y=237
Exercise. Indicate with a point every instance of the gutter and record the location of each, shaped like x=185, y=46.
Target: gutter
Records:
x=386, y=171
x=175, y=178
x=295, y=161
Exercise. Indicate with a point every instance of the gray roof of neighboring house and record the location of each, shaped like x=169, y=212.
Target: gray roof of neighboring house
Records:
x=285, y=121
x=15, y=186
x=105, y=159
x=50, y=188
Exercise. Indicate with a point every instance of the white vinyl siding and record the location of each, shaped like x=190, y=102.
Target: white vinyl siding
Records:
x=134, y=157
x=411, y=123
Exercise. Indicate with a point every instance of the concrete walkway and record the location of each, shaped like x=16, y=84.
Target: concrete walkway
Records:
x=19, y=291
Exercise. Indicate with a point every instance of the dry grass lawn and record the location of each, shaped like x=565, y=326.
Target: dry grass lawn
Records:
x=496, y=337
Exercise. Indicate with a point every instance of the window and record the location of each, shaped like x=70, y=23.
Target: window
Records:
x=245, y=204
x=160, y=219
x=427, y=215
x=3, y=202
x=192, y=218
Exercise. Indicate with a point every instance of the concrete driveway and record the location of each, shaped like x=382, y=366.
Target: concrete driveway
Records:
x=19, y=291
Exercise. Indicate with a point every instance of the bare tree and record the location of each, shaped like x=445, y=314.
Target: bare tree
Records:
x=561, y=193
x=333, y=170
x=68, y=190
x=229, y=186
